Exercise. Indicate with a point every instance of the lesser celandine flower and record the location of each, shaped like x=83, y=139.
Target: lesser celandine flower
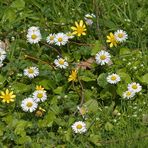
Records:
x=79, y=127
x=61, y=63
x=31, y=72
x=73, y=76
x=135, y=87
x=113, y=79
x=29, y=105
x=121, y=35
x=79, y=29
x=7, y=96
x=39, y=87
x=102, y=57
x=111, y=40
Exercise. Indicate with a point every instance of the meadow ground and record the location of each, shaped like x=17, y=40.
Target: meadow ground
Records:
x=73, y=73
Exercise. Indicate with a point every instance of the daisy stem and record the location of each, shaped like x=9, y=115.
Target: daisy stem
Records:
x=36, y=59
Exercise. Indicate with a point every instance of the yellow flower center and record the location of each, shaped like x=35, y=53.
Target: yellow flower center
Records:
x=120, y=35
x=80, y=30
x=29, y=104
x=51, y=38
x=60, y=39
x=7, y=97
x=128, y=93
x=134, y=86
x=61, y=62
x=113, y=78
x=33, y=36
x=103, y=57
x=39, y=95
x=30, y=71
x=79, y=126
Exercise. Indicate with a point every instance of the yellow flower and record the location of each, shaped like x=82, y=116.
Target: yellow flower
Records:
x=112, y=40
x=39, y=87
x=7, y=96
x=73, y=76
x=79, y=29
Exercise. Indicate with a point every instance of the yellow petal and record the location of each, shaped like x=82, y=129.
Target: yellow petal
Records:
x=2, y=93
x=81, y=23
x=7, y=91
x=13, y=96
x=73, y=28
x=111, y=45
x=75, y=32
x=83, y=33
x=76, y=23
x=79, y=34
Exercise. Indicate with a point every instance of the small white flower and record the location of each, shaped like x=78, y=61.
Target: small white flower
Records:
x=79, y=127
x=39, y=95
x=50, y=38
x=113, y=79
x=33, y=37
x=121, y=35
x=31, y=72
x=69, y=35
x=61, y=39
x=2, y=54
x=33, y=29
x=61, y=63
x=29, y=105
x=128, y=94
x=102, y=57
x=135, y=87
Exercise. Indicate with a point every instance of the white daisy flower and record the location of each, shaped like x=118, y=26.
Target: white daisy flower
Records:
x=102, y=57
x=121, y=35
x=61, y=63
x=29, y=105
x=128, y=94
x=39, y=95
x=79, y=127
x=50, y=38
x=69, y=35
x=31, y=72
x=89, y=19
x=113, y=79
x=2, y=54
x=33, y=29
x=61, y=39
x=135, y=87
x=34, y=37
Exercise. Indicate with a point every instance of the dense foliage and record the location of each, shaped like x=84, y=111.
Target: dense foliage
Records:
x=80, y=91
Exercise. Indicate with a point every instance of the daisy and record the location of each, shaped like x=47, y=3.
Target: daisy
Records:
x=60, y=39
x=7, y=96
x=2, y=54
x=121, y=35
x=102, y=57
x=39, y=95
x=79, y=29
x=69, y=35
x=113, y=79
x=111, y=40
x=33, y=29
x=128, y=94
x=29, y=105
x=61, y=63
x=31, y=72
x=89, y=19
x=135, y=87
x=79, y=127
x=34, y=37
x=73, y=76
x=50, y=38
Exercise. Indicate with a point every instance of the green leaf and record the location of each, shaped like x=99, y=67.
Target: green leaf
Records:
x=124, y=77
x=18, y=4
x=24, y=140
x=121, y=88
x=97, y=47
x=58, y=90
x=2, y=80
x=108, y=126
x=124, y=51
x=95, y=139
x=102, y=80
x=92, y=105
x=86, y=79
x=144, y=78
x=21, y=87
